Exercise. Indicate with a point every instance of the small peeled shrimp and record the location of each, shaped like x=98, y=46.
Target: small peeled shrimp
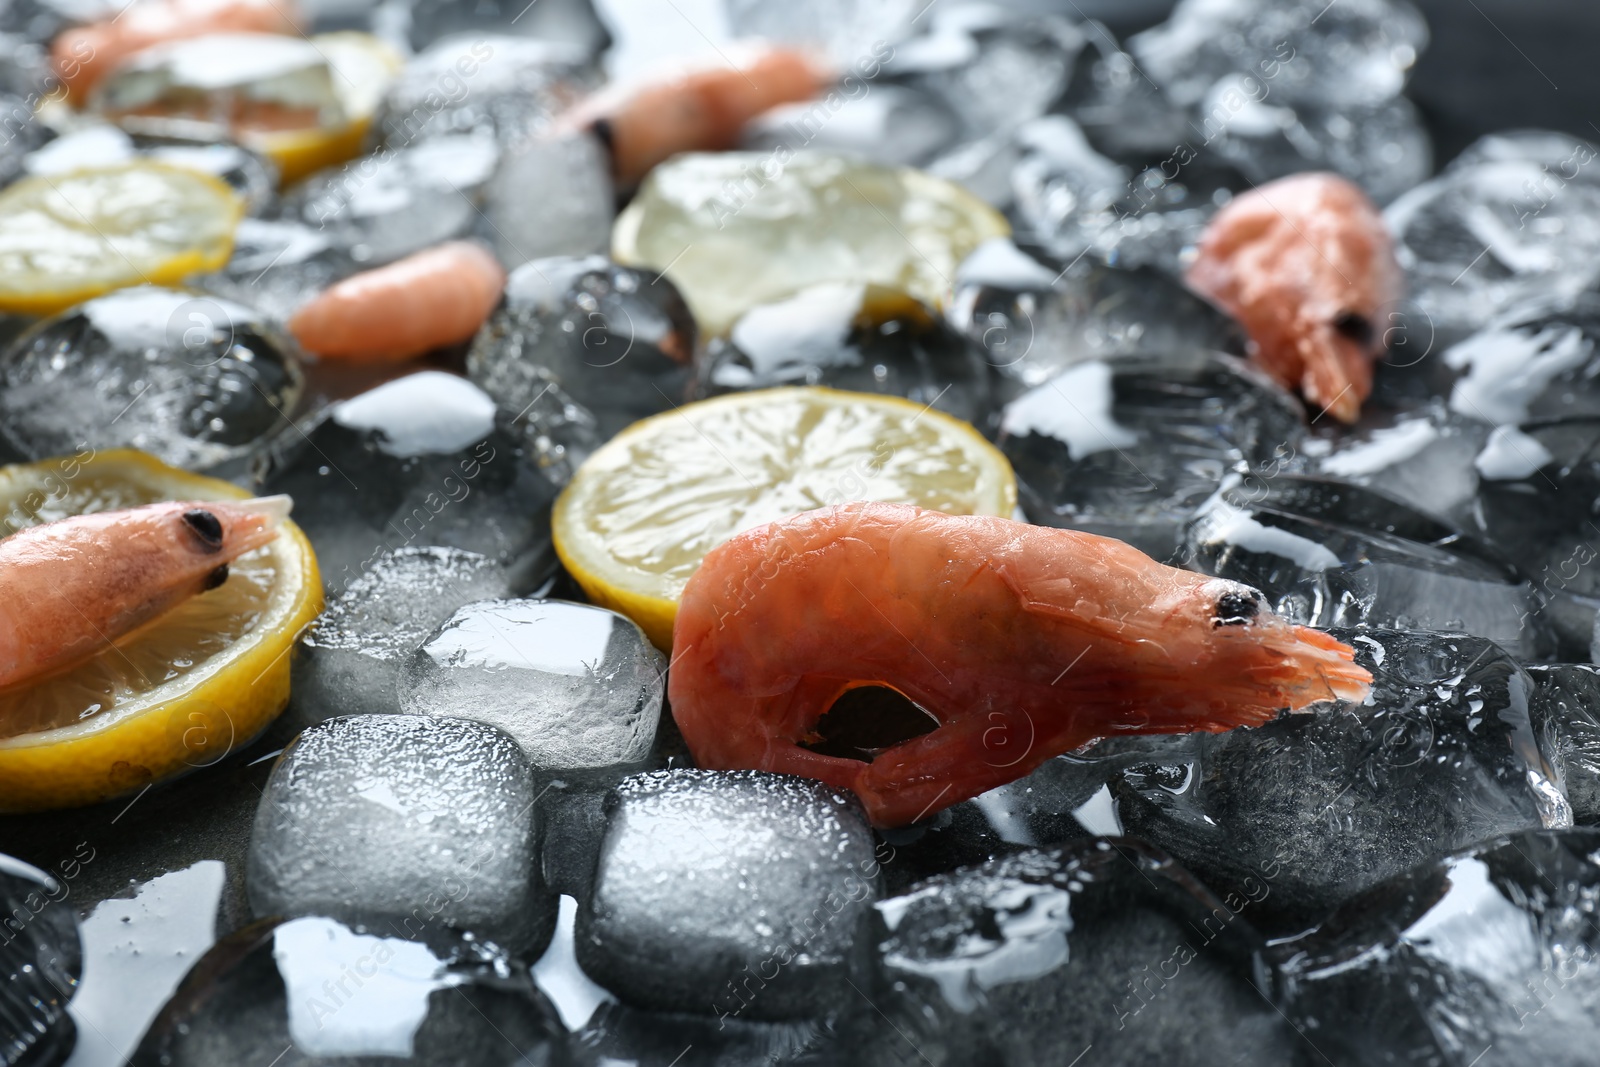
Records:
x=1306, y=265
x=83, y=55
x=702, y=109
x=69, y=589
x=436, y=297
x=1023, y=641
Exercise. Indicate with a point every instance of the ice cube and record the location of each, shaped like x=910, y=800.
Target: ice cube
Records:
x=1328, y=553
x=570, y=23
x=316, y=992
x=423, y=460
x=509, y=86
x=730, y=894
x=403, y=826
x=1033, y=319
x=194, y=380
x=1425, y=458
x=40, y=961
x=277, y=265
x=1382, y=147
x=617, y=340
x=1541, y=515
x=1566, y=720
x=848, y=31
x=578, y=687
x=1351, y=53
x=891, y=124
x=1509, y=221
x=1316, y=807
x=1536, y=359
x=992, y=66
x=550, y=196
x=1484, y=958
x=392, y=203
x=849, y=335
x=1127, y=448
x=621, y=1034
x=351, y=663
x=1039, y=957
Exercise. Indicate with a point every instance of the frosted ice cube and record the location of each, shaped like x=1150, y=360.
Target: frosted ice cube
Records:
x=1319, y=806
x=550, y=196
x=571, y=23
x=351, y=663
x=732, y=894
x=617, y=340
x=197, y=381
x=403, y=826
x=277, y=265
x=578, y=687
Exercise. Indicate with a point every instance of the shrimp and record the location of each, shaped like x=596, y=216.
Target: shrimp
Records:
x=1023, y=641
x=70, y=588
x=1305, y=264
x=436, y=297
x=696, y=110
x=84, y=55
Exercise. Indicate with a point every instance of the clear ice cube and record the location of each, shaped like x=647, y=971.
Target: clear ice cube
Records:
x=1108, y=945
x=1566, y=721
x=578, y=687
x=570, y=23
x=1033, y=319
x=617, y=340
x=194, y=380
x=850, y=335
x=1127, y=448
x=402, y=827
x=40, y=961
x=1485, y=958
x=277, y=265
x=1328, y=553
x=422, y=460
x=739, y=894
x=1319, y=806
x=315, y=991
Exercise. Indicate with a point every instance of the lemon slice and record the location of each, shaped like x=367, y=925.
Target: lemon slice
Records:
x=176, y=695
x=65, y=238
x=642, y=512
x=362, y=66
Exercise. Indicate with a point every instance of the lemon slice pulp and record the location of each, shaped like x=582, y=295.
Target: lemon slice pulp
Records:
x=69, y=237
x=644, y=510
x=176, y=695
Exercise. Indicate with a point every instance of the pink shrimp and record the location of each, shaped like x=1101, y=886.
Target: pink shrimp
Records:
x=83, y=55
x=69, y=589
x=1306, y=265
x=696, y=110
x=436, y=297
x=1023, y=641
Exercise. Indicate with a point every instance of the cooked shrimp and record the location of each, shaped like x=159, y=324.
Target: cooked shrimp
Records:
x=69, y=589
x=83, y=55
x=435, y=297
x=1023, y=641
x=1305, y=264
x=698, y=110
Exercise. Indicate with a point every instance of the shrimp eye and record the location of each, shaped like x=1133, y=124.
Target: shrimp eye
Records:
x=216, y=578
x=205, y=526
x=1236, y=609
x=1355, y=326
